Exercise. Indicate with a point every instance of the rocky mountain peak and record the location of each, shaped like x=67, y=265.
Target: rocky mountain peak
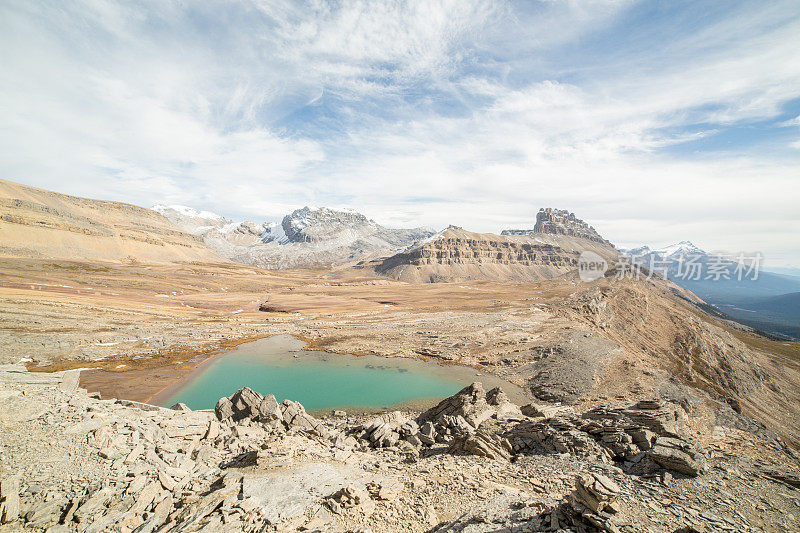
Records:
x=551, y=221
x=188, y=212
x=562, y=222
x=318, y=224
x=309, y=236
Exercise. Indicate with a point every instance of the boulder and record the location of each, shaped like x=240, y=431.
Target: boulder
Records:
x=245, y=402
x=269, y=410
x=388, y=429
x=224, y=409
x=347, y=497
x=595, y=492
x=427, y=434
x=294, y=415
x=505, y=410
x=9, y=499
x=678, y=455
x=483, y=444
x=469, y=403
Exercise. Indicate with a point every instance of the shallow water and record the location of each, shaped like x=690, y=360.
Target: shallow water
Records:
x=278, y=365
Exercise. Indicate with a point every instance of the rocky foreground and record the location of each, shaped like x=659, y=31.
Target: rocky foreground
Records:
x=71, y=461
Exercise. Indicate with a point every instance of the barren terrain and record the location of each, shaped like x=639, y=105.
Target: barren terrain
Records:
x=566, y=340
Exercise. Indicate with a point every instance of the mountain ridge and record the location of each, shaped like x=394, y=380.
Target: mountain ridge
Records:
x=306, y=237
x=37, y=222
x=737, y=289
x=455, y=254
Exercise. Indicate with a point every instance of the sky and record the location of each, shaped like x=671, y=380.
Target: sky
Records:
x=653, y=121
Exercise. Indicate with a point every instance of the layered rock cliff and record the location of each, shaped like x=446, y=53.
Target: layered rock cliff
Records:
x=551, y=249
x=559, y=222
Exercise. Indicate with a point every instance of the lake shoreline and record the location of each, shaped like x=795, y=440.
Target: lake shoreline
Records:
x=157, y=385
x=325, y=381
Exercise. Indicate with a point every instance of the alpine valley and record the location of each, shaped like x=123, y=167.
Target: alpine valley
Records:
x=504, y=392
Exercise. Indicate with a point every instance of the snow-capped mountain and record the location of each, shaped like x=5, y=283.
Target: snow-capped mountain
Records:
x=304, y=238
x=736, y=284
x=670, y=256
x=674, y=251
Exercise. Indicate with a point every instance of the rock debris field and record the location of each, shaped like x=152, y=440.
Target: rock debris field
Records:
x=476, y=462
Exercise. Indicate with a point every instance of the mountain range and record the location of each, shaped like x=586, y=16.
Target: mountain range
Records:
x=306, y=237
x=737, y=286
x=39, y=223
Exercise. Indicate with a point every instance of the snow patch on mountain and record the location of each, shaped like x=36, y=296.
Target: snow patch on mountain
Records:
x=186, y=211
x=309, y=236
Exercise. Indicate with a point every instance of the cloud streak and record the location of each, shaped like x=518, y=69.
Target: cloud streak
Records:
x=655, y=123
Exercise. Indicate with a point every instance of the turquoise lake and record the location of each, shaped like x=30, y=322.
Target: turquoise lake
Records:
x=278, y=365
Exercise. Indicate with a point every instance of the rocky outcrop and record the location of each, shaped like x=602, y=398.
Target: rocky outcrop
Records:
x=643, y=436
x=389, y=430
x=593, y=502
x=470, y=405
x=78, y=463
x=560, y=222
x=482, y=444
x=596, y=492
x=456, y=254
x=249, y=405
x=678, y=455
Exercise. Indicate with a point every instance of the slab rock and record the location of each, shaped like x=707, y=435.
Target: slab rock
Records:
x=678, y=455
x=483, y=444
x=595, y=492
x=9, y=499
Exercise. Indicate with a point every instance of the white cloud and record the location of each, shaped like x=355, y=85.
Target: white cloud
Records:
x=422, y=112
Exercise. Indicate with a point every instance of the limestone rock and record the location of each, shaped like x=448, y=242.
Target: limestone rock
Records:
x=294, y=415
x=386, y=430
x=224, y=409
x=535, y=410
x=482, y=444
x=246, y=402
x=347, y=497
x=9, y=499
x=555, y=435
x=595, y=492
x=505, y=410
x=562, y=222
x=678, y=455
x=469, y=403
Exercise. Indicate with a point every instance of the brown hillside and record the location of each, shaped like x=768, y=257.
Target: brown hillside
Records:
x=39, y=223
